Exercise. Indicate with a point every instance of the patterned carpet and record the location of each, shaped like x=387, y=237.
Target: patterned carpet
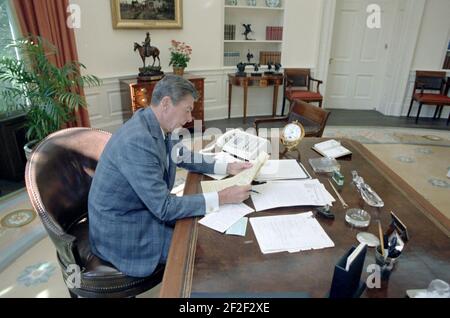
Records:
x=28, y=265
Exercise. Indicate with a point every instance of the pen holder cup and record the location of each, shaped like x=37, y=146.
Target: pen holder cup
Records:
x=387, y=265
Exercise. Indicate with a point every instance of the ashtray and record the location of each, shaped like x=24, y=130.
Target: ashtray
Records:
x=357, y=217
x=368, y=238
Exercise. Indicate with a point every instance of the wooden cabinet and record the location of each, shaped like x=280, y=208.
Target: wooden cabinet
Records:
x=141, y=95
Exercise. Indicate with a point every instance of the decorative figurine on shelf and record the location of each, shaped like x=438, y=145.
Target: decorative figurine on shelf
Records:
x=148, y=73
x=277, y=70
x=256, y=67
x=249, y=57
x=241, y=70
x=247, y=31
x=269, y=68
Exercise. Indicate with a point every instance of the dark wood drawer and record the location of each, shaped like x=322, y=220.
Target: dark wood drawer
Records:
x=141, y=94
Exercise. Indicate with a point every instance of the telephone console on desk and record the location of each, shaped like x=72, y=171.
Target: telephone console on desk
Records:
x=242, y=145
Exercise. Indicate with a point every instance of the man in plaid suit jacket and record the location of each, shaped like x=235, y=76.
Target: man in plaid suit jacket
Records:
x=131, y=210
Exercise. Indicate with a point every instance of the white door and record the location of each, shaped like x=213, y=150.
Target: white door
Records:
x=358, y=55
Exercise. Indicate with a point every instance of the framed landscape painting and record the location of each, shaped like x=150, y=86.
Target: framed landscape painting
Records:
x=147, y=14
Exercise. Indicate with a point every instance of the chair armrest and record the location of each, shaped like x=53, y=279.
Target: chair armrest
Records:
x=316, y=80
x=318, y=83
x=259, y=121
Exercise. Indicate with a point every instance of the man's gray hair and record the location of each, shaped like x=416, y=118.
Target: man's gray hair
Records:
x=174, y=86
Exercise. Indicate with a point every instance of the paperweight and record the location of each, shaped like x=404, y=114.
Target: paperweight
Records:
x=357, y=217
x=368, y=238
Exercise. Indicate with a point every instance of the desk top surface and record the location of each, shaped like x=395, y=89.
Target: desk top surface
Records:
x=204, y=261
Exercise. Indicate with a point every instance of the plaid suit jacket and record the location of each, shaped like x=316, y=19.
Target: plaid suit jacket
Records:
x=131, y=211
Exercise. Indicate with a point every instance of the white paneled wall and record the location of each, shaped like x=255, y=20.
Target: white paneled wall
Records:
x=109, y=105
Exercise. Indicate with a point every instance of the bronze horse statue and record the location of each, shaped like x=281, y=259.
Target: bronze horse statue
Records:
x=150, y=51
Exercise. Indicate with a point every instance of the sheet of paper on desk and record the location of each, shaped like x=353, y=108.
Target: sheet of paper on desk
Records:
x=282, y=170
x=285, y=193
x=223, y=157
x=228, y=215
x=239, y=228
x=291, y=233
x=243, y=178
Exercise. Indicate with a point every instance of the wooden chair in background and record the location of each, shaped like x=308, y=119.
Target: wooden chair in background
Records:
x=436, y=86
x=311, y=117
x=298, y=84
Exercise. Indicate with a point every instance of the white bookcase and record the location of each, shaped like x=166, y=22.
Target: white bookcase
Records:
x=260, y=17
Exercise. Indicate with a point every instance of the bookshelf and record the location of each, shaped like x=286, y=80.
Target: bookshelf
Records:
x=266, y=24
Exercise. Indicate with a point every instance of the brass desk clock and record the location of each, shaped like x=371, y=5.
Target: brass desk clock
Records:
x=291, y=135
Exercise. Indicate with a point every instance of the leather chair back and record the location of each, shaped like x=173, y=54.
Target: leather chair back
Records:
x=58, y=178
x=309, y=116
x=297, y=77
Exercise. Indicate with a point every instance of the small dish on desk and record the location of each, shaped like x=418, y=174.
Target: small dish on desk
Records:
x=368, y=238
x=357, y=218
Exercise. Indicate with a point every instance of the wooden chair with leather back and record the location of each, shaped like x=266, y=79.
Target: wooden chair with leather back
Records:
x=311, y=117
x=58, y=178
x=436, y=86
x=298, y=84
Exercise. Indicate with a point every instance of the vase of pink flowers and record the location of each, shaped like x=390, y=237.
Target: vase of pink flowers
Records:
x=180, y=55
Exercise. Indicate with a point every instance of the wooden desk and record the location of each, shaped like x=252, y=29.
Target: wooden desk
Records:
x=141, y=95
x=202, y=260
x=245, y=82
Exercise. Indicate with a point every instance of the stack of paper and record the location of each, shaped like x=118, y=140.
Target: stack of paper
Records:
x=282, y=170
x=291, y=233
x=227, y=216
x=290, y=193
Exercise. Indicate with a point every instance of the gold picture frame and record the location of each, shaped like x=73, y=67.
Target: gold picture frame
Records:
x=147, y=14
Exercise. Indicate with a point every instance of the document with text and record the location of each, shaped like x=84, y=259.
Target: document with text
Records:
x=227, y=216
x=282, y=170
x=285, y=193
x=289, y=233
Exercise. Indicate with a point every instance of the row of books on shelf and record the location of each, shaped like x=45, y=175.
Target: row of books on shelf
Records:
x=274, y=33
x=231, y=58
x=230, y=32
x=269, y=56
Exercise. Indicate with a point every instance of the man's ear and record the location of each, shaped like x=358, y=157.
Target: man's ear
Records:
x=165, y=103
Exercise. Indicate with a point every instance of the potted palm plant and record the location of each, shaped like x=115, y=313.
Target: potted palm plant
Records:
x=47, y=94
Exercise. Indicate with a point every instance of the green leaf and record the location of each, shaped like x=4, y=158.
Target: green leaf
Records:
x=47, y=93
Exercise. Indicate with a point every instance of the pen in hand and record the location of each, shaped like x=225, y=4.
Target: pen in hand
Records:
x=254, y=191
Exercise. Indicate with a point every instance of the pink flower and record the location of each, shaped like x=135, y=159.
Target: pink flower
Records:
x=180, y=53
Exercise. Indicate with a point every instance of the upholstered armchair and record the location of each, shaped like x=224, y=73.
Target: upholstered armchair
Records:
x=58, y=177
x=298, y=84
x=430, y=88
